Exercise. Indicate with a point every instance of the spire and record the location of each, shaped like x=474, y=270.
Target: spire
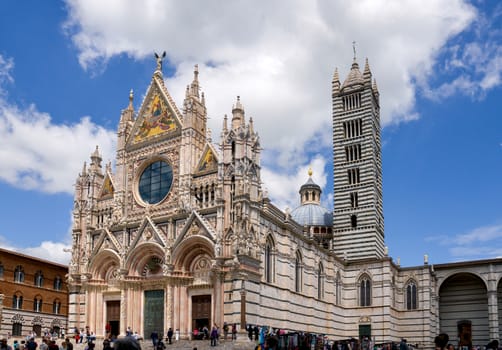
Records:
x=194, y=88
x=225, y=123
x=131, y=98
x=375, y=88
x=355, y=77
x=367, y=72
x=251, y=126
x=335, y=84
x=238, y=114
x=84, y=169
x=96, y=160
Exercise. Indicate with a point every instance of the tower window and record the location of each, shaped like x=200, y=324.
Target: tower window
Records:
x=353, y=176
x=352, y=128
x=353, y=152
x=354, y=202
x=353, y=221
x=352, y=101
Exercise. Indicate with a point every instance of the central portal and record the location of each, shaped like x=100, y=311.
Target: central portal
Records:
x=201, y=311
x=154, y=313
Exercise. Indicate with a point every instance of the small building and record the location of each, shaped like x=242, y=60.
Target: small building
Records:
x=33, y=295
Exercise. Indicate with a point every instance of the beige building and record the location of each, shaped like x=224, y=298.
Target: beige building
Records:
x=182, y=234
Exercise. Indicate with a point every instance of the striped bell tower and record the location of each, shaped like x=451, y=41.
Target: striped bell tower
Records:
x=358, y=224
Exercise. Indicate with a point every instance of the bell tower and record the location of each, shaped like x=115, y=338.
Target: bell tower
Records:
x=357, y=176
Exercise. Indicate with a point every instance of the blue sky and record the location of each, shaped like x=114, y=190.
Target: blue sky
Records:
x=66, y=69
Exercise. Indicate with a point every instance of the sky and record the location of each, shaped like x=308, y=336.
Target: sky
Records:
x=66, y=69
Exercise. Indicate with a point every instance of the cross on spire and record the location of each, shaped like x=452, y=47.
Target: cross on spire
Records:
x=354, y=49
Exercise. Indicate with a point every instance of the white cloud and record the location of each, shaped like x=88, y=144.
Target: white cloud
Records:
x=57, y=252
x=278, y=56
x=37, y=154
x=479, y=243
x=284, y=188
x=473, y=62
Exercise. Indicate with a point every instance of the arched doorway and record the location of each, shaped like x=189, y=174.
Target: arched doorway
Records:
x=463, y=310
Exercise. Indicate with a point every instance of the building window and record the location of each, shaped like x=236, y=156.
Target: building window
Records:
x=298, y=273
x=269, y=261
x=39, y=279
x=353, y=176
x=353, y=128
x=354, y=200
x=411, y=296
x=365, y=291
x=352, y=101
x=17, y=301
x=19, y=274
x=58, y=283
x=37, y=304
x=320, y=282
x=353, y=152
x=56, y=307
x=155, y=182
x=353, y=221
x=17, y=329
x=1, y=271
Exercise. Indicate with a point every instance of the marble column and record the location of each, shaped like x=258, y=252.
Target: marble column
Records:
x=493, y=316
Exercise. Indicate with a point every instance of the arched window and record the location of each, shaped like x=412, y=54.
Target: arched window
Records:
x=298, y=273
x=320, y=282
x=39, y=279
x=58, y=283
x=17, y=301
x=411, y=296
x=365, y=291
x=19, y=274
x=269, y=261
x=37, y=304
x=56, y=307
x=17, y=329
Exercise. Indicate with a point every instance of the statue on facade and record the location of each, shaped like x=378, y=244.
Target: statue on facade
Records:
x=159, y=59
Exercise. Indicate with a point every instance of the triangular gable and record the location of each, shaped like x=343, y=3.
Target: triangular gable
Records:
x=148, y=232
x=108, y=188
x=106, y=241
x=208, y=163
x=158, y=115
x=196, y=225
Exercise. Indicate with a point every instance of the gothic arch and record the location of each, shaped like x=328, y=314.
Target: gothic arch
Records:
x=141, y=256
x=103, y=263
x=189, y=251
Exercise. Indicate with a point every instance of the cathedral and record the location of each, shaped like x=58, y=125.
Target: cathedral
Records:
x=181, y=234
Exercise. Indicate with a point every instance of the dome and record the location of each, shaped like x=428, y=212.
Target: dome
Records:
x=312, y=215
x=355, y=78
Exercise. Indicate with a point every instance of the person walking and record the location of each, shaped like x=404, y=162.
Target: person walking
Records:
x=170, y=335
x=214, y=335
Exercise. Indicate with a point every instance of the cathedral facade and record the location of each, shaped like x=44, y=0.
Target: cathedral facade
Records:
x=181, y=234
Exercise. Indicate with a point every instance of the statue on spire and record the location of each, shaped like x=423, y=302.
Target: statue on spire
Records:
x=159, y=60
x=354, y=49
